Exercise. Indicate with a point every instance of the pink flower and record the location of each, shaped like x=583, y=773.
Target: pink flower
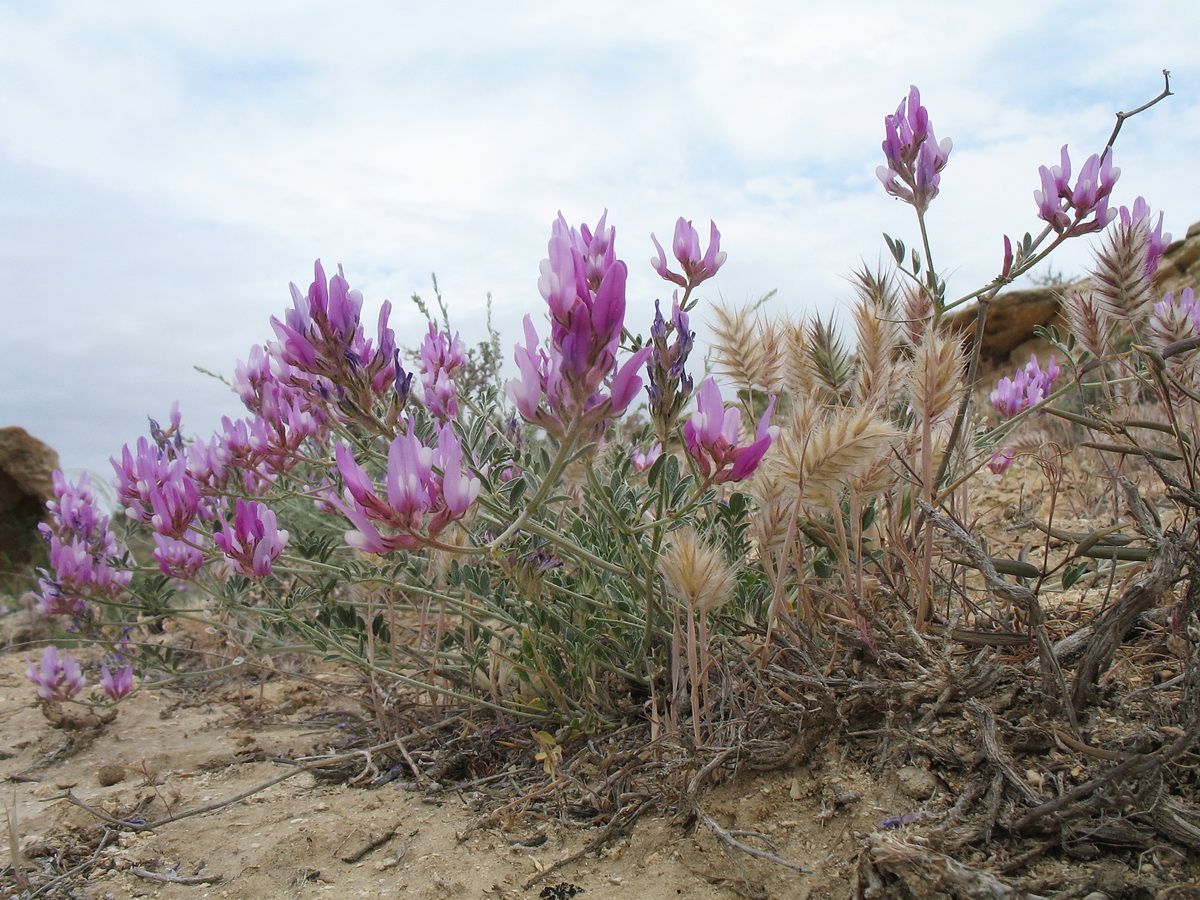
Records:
x=1157, y=241
x=441, y=358
x=643, y=461
x=577, y=380
x=178, y=558
x=686, y=247
x=1065, y=207
x=75, y=512
x=85, y=555
x=914, y=156
x=1000, y=461
x=254, y=541
x=57, y=676
x=712, y=433
x=1025, y=389
x=426, y=488
x=118, y=685
x=322, y=344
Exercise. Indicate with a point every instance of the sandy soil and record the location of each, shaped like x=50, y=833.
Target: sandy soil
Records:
x=175, y=753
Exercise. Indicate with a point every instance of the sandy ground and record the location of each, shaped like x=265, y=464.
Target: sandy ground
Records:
x=293, y=839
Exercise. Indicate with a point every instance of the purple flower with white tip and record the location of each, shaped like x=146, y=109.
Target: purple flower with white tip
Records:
x=179, y=557
x=1066, y=207
x=1156, y=240
x=253, y=541
x=441, y=358
x=712, y=434
x=57, y=675
x=425, y=489
x=576, y=381
x=323, y=349
x=1028, y=387
x=116, y=685
x=643, y=461
x=915, y=157
x=686, y=247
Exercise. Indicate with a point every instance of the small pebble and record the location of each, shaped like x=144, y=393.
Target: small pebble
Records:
x=916, y=783
x=107, y=776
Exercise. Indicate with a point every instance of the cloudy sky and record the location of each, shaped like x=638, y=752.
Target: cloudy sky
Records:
x=167, y=168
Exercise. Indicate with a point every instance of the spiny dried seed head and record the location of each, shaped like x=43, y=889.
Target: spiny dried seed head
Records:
x=829, y=361
x=878, y=348
x=1090, y=320
x=1121, y=280
x=775, y=498
x=747, y=348
x=916, y=314
x=935, y=379
x=798, y=376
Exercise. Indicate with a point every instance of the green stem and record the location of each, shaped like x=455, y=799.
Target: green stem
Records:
x=558, y=465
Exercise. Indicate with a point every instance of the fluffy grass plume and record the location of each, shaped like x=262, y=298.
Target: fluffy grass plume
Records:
x=821, y=461
x=694, y=571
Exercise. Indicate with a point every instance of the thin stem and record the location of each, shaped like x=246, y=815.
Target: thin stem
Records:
x=558, y=465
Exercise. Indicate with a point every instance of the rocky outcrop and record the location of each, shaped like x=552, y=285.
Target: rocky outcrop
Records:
x=1014, y=314
x=26, y=467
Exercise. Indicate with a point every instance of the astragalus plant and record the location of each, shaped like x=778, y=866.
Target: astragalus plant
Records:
x=549, y=549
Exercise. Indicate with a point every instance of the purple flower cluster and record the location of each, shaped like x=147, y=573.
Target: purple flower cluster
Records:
x=1156, y=241
x=425, y=489
x=59, y=678
x=686, y=247
x=577, y=383
x=289, y=405
x=915, y=157
x=57, y=675
x=441, y=357
x=116, y=684
x=1065, y=207
x=85, y=555
x=253, y=541
x=322, y=336
x=1028, y=387
x=712, y=434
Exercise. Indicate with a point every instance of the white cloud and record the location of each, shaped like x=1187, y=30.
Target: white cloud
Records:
x=166, y=169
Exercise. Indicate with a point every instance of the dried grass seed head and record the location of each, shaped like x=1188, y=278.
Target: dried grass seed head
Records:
x=747, y=348
x=694, y=571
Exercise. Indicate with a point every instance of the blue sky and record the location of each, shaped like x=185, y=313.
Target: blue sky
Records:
x=167, y=169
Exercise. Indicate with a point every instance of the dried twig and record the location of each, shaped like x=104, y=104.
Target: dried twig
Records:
x=14, y=849
x=1133, y=767
x=620, y=823
x=1110, y=628
x=722, y=834
x=1015, y=593
x=371, y=842
x=996, y=754
x=174, y=879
